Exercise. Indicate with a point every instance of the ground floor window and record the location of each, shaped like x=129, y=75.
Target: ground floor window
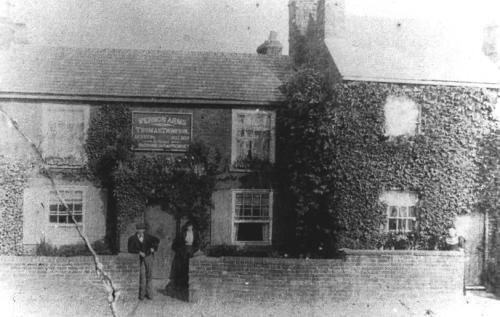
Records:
x=59, y=213
x=401, y=211
x=252, y=216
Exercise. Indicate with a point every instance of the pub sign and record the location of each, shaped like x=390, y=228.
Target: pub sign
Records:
x=162, y=131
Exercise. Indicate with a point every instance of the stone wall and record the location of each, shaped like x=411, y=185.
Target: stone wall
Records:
x=363, y=275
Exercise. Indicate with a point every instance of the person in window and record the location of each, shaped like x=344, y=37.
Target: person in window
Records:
x=184, y=246
x=145, y=245
x=453, y=241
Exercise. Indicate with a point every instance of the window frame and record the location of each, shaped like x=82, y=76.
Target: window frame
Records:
x=234, y=221
x=47, y=109
x=389, y=205
x=272, y=141
x=82, y=189
x=398, y=218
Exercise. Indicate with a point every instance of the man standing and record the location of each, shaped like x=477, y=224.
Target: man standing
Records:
x=145, y=245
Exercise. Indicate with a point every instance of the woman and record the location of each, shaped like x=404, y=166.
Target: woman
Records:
x=453, y=241
x=184, y=246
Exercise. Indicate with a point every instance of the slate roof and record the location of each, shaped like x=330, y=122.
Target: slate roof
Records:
x=143, y=74
x=409, y=50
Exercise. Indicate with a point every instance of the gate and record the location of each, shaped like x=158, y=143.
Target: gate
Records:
x=473, y=228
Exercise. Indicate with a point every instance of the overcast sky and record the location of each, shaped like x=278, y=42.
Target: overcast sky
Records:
x=214, y=25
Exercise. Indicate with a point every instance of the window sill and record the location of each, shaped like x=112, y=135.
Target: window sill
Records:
x=65, y=225
x=251, y=243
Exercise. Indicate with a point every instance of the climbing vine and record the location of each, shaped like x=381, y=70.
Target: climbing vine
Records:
x=340, y=161
x=182, y=184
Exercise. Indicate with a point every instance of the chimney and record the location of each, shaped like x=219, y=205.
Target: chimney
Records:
x=272, y=46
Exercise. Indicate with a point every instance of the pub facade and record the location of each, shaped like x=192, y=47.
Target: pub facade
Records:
x=48, y=96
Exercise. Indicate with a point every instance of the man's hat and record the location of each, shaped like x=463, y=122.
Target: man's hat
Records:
x=140, y=226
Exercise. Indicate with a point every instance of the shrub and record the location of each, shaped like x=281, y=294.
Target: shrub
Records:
x=45, y=248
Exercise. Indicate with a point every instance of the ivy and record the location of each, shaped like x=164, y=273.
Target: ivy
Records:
x=339, y=161
x=182, y=184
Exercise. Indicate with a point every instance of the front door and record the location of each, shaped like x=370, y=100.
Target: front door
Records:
x=161, y=225
x=472, y=228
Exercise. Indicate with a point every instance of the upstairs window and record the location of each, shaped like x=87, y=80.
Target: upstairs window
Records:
x=59, y=214
x=402, y=117
x=400, y=210
x=64, y=130
x=252, y=222
x=252, y=137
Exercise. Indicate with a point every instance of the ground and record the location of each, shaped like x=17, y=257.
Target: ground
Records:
x=80, y=298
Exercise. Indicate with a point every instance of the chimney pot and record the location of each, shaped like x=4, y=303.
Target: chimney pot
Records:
x=271, y=46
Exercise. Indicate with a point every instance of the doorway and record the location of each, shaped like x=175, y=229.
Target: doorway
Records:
x=473, y=228
x=161, y=225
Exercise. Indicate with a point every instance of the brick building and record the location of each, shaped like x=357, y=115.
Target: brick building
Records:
x=225, y=100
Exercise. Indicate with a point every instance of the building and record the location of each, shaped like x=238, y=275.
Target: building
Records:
x=413, y=92
x=225, y=100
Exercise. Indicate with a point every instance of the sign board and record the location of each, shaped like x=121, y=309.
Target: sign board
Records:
x=162, y=131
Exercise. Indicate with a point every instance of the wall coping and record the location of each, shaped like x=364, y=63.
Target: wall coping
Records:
x=128, y=256
x=54, y=259
x=349, y=254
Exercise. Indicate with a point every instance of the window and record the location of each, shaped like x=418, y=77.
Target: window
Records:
x=59, y=214
x=252, y=212
x=401, y=211
x=253, y=137
x=402, y=116
x=64, y=130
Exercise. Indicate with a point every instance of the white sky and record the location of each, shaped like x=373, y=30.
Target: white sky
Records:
x=216, y=25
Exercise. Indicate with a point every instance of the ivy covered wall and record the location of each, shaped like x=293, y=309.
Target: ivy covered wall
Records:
x=450, y=165
x=341, y=161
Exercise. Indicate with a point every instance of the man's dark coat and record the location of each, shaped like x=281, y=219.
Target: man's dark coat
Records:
x=135, y=246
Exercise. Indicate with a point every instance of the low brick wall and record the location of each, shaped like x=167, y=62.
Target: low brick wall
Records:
x=364, y=275
x=123, y=269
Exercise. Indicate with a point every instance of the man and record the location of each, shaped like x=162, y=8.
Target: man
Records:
x=145, y=245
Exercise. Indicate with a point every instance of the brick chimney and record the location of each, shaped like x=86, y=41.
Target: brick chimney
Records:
x=271, y=46
x=314, y=19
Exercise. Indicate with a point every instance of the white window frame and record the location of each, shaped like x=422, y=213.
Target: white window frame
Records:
x=234, y=221
x=408, y=200
x=47, y=109
x=272, y=141
x=60, y=189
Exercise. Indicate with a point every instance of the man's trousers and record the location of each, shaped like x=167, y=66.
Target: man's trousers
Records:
x=145, y=277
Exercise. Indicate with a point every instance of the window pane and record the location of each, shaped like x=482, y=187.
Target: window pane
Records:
x=392, y=224
x=53, y=218
x=53, y=208
x=411, y=211
x=411, y=225
x=63, y=219
x=403, y=212
x=393, y=211
x=250, y=232
x=78, y=207
x=401, y=225
x=78, y=218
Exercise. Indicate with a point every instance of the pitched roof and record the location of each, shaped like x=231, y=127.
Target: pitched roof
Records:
x=408, y=50
x=142, y=74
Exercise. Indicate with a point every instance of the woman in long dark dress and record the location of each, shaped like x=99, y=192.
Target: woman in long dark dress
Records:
x=184, y=246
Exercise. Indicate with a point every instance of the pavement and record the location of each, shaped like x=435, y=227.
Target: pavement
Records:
x=80, y=298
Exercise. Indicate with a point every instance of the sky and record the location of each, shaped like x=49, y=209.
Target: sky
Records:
x=197, y=25
x=201, y=25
